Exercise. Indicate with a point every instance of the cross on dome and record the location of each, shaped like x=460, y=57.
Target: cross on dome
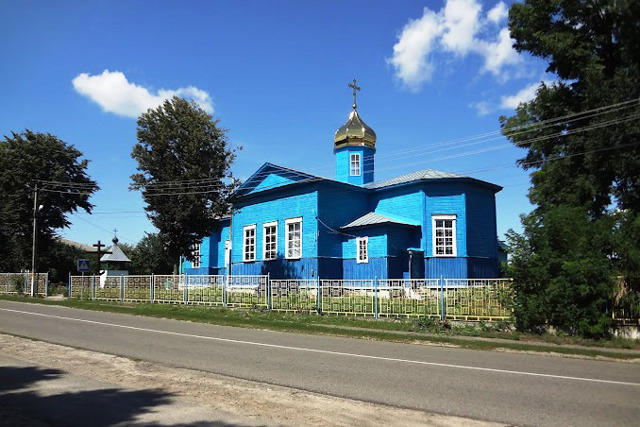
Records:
x=355, y=89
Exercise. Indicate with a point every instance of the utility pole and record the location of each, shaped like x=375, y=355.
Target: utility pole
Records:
x=34, y=246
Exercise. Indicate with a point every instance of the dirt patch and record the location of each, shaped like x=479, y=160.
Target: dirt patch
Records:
x=274, y=405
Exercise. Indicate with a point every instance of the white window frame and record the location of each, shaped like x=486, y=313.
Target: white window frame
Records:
x=196, y=254
x=288, y=242
x=265, y=226
x=454, y=243
x=248, y=256
x=355, y=167
x=359, y=258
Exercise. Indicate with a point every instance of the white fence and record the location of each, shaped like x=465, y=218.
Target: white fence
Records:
x=470, y=299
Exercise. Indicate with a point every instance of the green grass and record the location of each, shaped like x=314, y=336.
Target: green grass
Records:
x=422, y=329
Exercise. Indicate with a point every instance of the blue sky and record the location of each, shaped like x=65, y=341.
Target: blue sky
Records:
x=433, y=75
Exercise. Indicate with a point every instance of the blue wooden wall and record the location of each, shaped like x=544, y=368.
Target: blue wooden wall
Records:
x=482, y=234
x=271, y=180
x=445, y=267
x=262, y=208
x=329, y=254
x=448, y=199
x=367, y=156
x=337, y=206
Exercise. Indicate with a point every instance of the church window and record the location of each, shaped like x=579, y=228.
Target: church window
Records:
x=354, y=164
x=444, y=235
x=195, y=253
x=270, y=243
x=362, y=244
x=294, y=238
x=249, y=247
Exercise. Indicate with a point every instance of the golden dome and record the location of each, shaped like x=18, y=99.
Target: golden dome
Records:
x=354, y=132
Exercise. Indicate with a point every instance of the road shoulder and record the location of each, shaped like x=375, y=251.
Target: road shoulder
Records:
x=143, y=392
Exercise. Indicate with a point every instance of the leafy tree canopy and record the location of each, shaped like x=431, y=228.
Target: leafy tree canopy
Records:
x=582, y=137
x=148, y=256
x=25, y=159
x=184, y=159
x=590, y=160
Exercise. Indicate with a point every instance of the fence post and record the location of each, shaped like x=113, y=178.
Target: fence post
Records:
x=93, y=288
x=268, y=290
x=442, y=313
x=225, y=282
x=375, y=297
x=318, y=296
x=69, y=287
x=152, y=285
x=186, y=289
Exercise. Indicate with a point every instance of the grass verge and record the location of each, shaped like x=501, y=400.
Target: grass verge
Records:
x=477, y=336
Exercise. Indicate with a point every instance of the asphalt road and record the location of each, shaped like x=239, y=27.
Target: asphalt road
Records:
x=505, y=387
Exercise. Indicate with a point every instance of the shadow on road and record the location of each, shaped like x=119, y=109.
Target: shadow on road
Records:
x=24, y=402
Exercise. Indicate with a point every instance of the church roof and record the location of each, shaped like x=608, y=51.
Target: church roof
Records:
x=299, y=177
x=373, y=218
x=426, y=174
x=83, y=247
x=116, y=254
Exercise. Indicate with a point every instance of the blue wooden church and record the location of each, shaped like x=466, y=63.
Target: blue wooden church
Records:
x=292, y=224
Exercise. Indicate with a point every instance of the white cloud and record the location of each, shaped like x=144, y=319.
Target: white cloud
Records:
x=460, y=29
x=525, y=94
x=498, y=13
x=498, y=54
x=411, y=52
x=115, y=94
x=460, y=24
x=482, y=107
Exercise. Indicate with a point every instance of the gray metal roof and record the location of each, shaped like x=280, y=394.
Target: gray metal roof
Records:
x=373, y=218
x=116, y=255
x=78, y=245
x=413, y=176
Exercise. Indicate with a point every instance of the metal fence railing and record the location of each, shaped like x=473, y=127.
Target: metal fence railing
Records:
x=21, y=283
x=469, y=299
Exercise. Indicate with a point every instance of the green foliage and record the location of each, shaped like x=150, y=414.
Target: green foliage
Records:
x=593, y=160
x=60, y=260
x=561, y=272
x=181, y=144
x=149, y=256
x=585, y=170
x=24, y=159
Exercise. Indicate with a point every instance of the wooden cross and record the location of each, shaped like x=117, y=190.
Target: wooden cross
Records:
x=99, y=247
x=355, y=89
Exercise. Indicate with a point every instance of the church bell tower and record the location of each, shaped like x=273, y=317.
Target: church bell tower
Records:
x=354, y=148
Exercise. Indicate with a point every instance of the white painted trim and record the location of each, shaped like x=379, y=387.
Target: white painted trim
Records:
x=244, y=242
x=366, y=241
x=286, y=236
x=453, y=218
x=264, y=240
x=359, y=161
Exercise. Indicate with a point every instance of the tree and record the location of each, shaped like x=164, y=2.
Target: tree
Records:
x=64, y=187
x=184, y=160
x=149, y=256
x=585, y=167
